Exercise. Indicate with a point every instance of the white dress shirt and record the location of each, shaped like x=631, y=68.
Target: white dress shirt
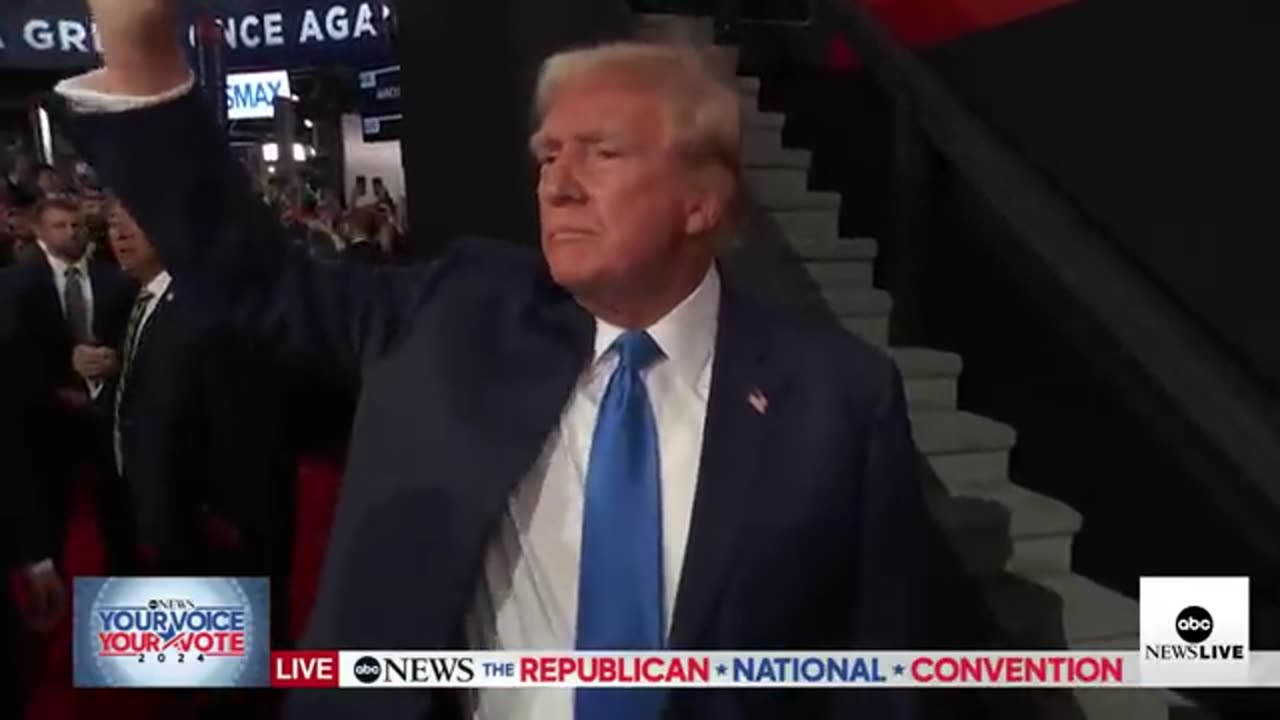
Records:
x=60, y=268
x=528, y=597
x=158, y=287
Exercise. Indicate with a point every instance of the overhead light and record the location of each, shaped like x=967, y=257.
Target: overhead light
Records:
x=46, y=136
x=307, y=122
x=270, y=152
x=271, y=169
x=299, y=152
x=311, y=150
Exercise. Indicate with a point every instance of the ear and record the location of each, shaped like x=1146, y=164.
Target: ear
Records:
x=705, y=209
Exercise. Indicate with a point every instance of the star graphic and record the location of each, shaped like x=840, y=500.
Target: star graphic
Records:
x=899, y=669
x=722, y=669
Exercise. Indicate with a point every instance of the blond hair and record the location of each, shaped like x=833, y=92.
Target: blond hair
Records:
x=705, y=109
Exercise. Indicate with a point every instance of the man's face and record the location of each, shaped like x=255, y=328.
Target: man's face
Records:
x=133, y=250
x=60, y=230
x=613, y=193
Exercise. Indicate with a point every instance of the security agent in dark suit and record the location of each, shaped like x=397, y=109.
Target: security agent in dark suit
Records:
x=16, y=485
x=193, y=432
x=60, y=299
x=609, y=447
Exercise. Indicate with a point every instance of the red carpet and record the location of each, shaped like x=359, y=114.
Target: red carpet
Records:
x=51, y=696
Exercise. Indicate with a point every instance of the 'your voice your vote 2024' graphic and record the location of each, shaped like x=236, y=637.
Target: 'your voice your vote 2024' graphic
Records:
x=171, y=632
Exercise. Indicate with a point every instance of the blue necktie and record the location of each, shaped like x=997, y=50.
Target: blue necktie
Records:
x=620, y=570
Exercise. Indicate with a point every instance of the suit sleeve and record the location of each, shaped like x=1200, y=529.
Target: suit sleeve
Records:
x=26, y=519
x=246, y=464
x=892, y=606
x=172, y=167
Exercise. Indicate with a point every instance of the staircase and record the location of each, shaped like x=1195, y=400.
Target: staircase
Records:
x=1017, y=542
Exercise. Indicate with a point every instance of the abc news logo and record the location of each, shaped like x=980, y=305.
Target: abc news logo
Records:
x=415, y=671
x=1194, y=625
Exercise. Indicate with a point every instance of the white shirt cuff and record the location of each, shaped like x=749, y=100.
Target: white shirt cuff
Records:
x=82, y=96
x=44, y=566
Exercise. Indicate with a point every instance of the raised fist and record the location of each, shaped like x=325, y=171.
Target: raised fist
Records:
x=141, y=47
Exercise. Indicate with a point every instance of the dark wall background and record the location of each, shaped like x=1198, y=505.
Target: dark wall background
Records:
x=468, y=73
x=1159, y=120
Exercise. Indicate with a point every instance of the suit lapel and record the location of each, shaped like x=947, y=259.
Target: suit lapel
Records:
x=520, y=401
x=45, y=296
x=730, y=468
x=165, y=306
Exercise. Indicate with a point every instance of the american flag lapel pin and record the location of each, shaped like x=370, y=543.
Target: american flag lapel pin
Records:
x=757, y=400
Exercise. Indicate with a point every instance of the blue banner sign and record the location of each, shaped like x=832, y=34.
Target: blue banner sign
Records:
x=51, y=34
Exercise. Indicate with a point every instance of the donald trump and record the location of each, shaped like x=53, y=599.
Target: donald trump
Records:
x=607, y=445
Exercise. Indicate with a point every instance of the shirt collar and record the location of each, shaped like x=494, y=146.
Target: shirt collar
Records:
x=159, y=284
x=686, y=335
x=60, y=266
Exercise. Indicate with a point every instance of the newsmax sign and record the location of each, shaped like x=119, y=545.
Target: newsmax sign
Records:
x=253, y=95
x=282, y=33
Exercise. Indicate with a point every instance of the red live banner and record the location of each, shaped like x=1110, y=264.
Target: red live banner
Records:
x=304, y=669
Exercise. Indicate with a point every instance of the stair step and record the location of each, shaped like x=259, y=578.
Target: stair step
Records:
x=777, y=182
x=964, y=450
x=1008, y=528
x=949, y=433
x=1183, y=708
x=841, y=274
x=776, y=158
x=874, y=330
x=821, y=224
x=858, y=302
x=679, y=29
x=754, y=118
x=1090, y=704
x=1121, y=704
x=806, y=200
x=927, y=363
x=930, y=393
x=1063, y=611
x=861, y=248
x=758, y=141
x=930, y=376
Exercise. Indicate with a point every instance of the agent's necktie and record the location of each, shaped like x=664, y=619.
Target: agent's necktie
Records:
x=132, y=334
x=77, y=306
x=620, y=571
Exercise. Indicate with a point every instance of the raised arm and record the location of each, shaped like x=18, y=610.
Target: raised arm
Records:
x=154, y=142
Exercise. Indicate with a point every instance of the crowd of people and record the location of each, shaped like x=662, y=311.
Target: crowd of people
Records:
x=119, y=384
x=368, y=224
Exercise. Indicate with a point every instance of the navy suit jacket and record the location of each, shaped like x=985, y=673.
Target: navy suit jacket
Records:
x=198, y=430
x=808, y=524
x=57, y=439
